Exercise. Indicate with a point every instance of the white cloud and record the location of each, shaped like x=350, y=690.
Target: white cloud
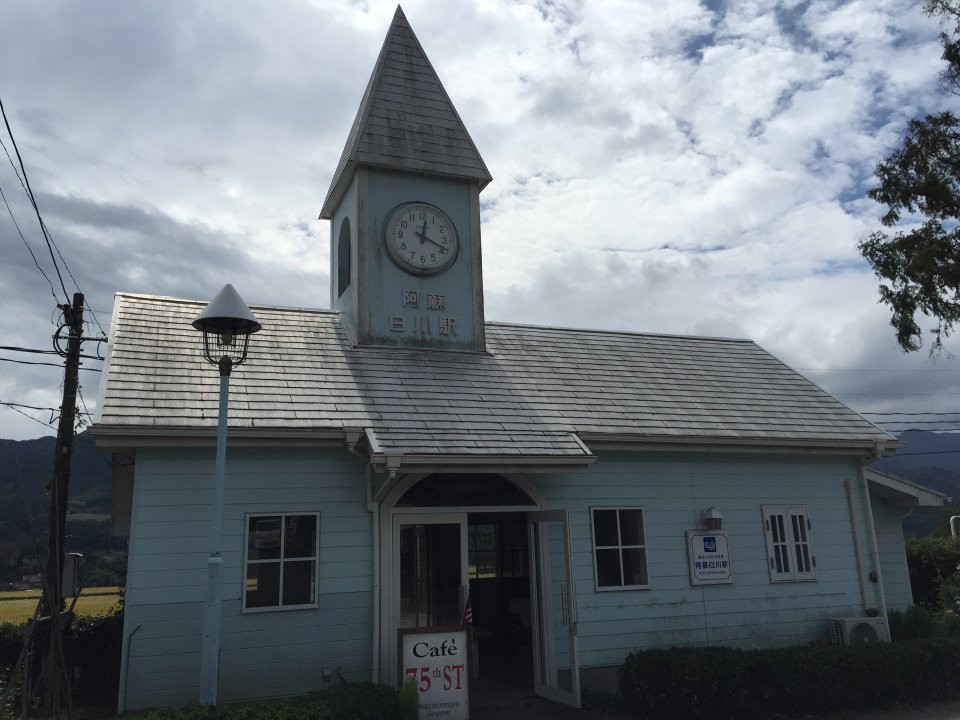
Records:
x=665, y=167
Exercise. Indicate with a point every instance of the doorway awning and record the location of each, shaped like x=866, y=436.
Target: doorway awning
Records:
x=492, y=451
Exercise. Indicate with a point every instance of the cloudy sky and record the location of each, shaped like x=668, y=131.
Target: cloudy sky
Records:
x=679, y=167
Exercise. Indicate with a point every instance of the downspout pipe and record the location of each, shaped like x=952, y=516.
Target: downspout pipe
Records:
x=858, y=551
x=374, y=507
x=872, y=530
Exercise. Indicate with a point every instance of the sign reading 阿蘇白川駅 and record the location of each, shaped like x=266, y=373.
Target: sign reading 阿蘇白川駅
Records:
x=709, y=556
x=424, y=315
x=436, y=660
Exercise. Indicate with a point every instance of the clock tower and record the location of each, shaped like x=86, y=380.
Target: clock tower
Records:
x=404, y=211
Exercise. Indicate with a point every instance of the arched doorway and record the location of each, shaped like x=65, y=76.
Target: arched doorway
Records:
x=444, y=536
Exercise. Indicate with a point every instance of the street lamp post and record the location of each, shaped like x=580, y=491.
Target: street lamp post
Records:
x=227, y=325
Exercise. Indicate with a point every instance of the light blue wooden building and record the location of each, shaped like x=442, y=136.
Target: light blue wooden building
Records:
x=594, y=492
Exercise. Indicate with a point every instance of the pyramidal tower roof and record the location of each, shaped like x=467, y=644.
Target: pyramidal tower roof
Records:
x=406, y=120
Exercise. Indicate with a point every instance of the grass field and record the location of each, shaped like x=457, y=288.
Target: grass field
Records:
x=17, y=606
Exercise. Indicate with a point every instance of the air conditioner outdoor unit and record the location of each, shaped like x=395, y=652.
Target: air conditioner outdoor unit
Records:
x=859, y=630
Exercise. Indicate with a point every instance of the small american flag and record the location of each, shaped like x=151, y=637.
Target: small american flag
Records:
x=468, y=610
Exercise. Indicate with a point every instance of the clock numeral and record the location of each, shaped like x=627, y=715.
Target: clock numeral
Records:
x=400, y=234
x=403, y=246
x=403, y=224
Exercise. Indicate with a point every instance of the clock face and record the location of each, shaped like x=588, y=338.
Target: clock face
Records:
x=421, y=239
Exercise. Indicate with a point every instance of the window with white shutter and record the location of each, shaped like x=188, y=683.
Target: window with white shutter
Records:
x=790, y=554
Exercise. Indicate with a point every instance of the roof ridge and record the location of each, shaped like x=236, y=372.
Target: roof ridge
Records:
x=631, y=333
x=189, y=301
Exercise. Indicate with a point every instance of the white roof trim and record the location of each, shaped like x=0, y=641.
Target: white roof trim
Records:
x=920, y=495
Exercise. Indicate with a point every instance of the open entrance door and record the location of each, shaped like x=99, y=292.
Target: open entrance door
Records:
x=556, y=668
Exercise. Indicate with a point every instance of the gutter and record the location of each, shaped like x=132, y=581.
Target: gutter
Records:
x=111, y=435
x=857, y=550
x=879, y=451
x=727, y=444
x=352, y=438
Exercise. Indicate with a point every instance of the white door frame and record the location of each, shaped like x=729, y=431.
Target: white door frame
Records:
x=541, y=606
x=389, y=563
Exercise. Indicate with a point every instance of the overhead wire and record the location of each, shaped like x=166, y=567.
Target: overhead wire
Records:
x=17, y=348
x=910, y=414
x=58, y=365
x=27, y=415
x=33, y=201
x=29, y=249
x=48, y=236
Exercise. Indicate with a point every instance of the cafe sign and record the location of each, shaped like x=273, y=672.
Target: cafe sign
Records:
x=436, y=660
x=709, y=557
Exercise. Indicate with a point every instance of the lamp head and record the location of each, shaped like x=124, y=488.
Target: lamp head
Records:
x=226, y=324
x=713, y=518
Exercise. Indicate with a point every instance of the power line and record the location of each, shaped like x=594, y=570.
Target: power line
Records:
x=33, y=201
x=16, y=348
x=874, y=370
x=27, y=407
x=916, y=422
x=13, y=165
x=29, y=249
x=34, y=362
x=927, y=452
x=28, y=416
x=35, y=407
x=47, y=235
x=912, y=414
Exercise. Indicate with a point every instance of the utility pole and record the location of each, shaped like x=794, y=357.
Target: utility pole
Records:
x=59, y=490
x=56, y=690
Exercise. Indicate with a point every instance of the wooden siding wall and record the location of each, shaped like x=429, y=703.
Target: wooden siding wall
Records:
x=893, y=555
x=263, y=654
x=674, y=491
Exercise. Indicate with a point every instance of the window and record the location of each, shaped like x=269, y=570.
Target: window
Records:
x=281, y=562
x=619, y=548
x=498, y=547
x=789, y=547
x=343, y=258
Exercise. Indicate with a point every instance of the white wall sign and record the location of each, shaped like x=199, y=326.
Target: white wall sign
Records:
x=709, y=556
x=437, y=661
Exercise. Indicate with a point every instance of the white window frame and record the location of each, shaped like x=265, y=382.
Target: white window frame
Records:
x=593, y=541
x=783, y=543
x=281, y=560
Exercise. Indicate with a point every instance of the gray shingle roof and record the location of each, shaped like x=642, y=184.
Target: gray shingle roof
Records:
x=406, y=120
x=536, y=394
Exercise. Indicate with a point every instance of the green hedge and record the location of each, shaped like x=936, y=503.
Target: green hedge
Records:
x=718, y=683
x=92, y=651
x=350, y=701
x=931, y=561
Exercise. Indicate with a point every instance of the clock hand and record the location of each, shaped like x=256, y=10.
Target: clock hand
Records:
x=422, y=234
x=430, y=240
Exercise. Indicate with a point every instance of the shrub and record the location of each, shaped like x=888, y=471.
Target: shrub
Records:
x=931, y=561
x=11, y=642
x=718, y=683
x=349, y=701
x=91, y=648
x=913, y=623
